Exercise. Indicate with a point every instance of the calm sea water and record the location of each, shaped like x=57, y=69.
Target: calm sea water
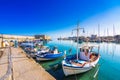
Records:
x=108, y=67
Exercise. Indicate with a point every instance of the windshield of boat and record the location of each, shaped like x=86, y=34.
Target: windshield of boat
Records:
x=90, y=48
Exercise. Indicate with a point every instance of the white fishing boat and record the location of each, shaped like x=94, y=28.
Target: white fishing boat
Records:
x=76, y=64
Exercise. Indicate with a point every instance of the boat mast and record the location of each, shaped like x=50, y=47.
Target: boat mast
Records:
x=77, y=38
x=107, y=32
x=77, y=29
x=99, y=33
x=107, y=35
x=98, y=30
x=114, y=31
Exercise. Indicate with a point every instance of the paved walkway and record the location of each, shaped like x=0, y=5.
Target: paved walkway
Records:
x=3, y=63
x=25, y=68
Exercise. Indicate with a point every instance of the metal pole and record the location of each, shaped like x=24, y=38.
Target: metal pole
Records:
x=78, y=36
x=77, y=39
x=98, y=32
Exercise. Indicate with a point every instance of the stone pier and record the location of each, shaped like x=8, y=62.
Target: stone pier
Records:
x=23, y=68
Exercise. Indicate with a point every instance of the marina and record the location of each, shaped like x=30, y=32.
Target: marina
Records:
x=46, y=59
x=14, y=57
x=59, y=39
x=109, y=54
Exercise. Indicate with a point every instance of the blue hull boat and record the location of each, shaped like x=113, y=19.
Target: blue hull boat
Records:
x=48, y=56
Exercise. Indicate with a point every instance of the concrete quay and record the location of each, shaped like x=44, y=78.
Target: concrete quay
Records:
x=3, y=63
x=23, y=68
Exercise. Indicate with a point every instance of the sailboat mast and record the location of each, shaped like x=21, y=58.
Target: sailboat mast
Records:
x=107, y=32
x=113, y=32
x=98, y=32
x=107, y=35
x=104, y=33
x=77, y=38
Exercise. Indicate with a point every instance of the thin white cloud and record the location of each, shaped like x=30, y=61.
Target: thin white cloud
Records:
x=105, y=19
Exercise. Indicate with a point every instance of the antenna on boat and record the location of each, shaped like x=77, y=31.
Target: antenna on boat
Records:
x=78, y=29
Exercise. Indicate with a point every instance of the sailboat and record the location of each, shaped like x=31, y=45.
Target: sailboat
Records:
x=75, y=64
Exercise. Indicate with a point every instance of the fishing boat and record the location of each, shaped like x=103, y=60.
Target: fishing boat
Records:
x=45, y=55
x=76, y=64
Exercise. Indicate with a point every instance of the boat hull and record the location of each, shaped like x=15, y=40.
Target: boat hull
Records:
x=42, y=59
x=73, y=70
x=69, y=69
x=48, y=56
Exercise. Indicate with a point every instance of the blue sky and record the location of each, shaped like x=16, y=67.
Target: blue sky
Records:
x=57, y=17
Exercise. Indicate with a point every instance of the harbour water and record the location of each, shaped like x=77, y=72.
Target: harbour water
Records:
x=107, y=69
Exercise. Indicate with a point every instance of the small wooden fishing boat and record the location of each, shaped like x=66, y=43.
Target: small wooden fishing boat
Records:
x=83, y=61
x=73, y=66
